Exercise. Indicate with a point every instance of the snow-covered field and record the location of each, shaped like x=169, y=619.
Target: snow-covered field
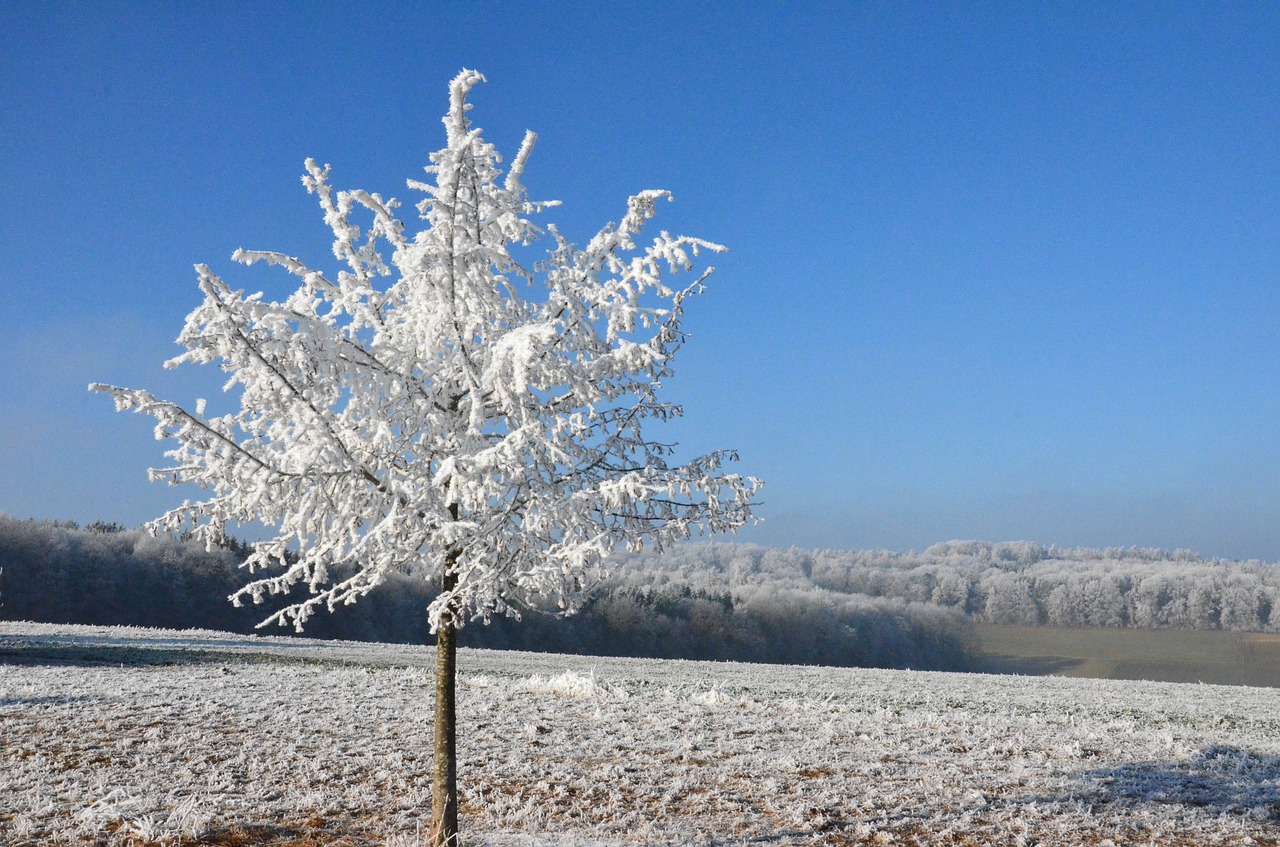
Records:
x=116, y=736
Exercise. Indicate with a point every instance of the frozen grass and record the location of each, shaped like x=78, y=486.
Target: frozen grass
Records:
x=134, y=737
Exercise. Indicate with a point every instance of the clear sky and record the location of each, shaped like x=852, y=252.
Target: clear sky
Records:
x=996, y=270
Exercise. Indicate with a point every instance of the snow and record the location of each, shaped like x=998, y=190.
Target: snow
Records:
x=134, y=736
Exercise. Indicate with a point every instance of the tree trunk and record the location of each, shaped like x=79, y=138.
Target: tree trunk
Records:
x=444, y=801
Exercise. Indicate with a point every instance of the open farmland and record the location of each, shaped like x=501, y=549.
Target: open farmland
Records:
x=1165, y=655
x=117, y=736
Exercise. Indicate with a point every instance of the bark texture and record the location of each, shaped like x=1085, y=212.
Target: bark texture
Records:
x=444, y=805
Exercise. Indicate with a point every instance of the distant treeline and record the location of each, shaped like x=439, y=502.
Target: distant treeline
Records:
x=706, y=601
x=1008, y=583
x=105, y=574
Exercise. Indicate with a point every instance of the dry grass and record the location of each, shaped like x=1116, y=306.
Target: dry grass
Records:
x=559, y=751
x=1161, y=655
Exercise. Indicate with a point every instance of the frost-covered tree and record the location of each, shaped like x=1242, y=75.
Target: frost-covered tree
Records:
x=443, y=408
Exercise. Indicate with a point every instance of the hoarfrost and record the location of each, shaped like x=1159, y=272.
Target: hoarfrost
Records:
x=241, y=732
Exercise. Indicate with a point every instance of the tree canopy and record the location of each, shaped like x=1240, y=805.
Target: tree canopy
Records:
x=441, y=408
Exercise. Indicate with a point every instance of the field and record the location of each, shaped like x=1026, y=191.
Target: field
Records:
x=1164, y=655
x=115, y=736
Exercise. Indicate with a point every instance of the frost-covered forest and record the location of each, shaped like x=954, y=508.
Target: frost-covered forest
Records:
x=709, y=601
x=103, y=574
x=1006, y=583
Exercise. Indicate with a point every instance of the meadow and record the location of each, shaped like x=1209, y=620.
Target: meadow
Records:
x=1164, y=655
x=146, y=737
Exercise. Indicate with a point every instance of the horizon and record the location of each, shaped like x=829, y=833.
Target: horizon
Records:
x=1051, y=551
x=994, y=272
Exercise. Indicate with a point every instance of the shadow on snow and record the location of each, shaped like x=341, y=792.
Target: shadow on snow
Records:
x=1221, y=779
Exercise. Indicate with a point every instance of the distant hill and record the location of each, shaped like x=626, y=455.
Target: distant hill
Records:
x=1006, y=583
x=57, y=572
x=737, y=602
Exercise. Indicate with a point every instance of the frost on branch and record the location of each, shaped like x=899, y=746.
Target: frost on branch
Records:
x=437, y=404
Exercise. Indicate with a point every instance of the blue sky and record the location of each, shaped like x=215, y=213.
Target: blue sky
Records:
x=998, y=271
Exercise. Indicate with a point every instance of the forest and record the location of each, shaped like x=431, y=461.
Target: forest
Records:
x=104, y=574
x=700, y=601
x=1002, y=583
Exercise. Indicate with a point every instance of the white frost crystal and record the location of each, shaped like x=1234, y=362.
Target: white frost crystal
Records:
x=439, y=404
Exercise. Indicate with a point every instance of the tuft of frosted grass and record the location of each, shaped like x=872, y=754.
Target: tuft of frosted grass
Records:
x=571, y=684
x=179, y=817
x=710, y=698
